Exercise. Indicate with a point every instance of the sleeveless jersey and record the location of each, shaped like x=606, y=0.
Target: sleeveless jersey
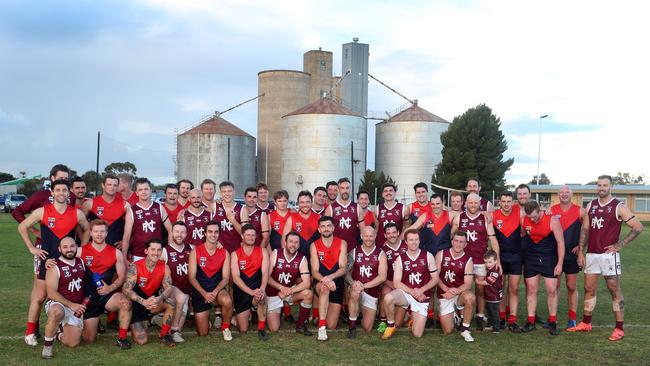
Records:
x=346, y=225
x=286, y=271
x=148, y=283
x=604, y=225
x=71, y=278
x=369, y=219
x=270, y=207
x=415, y=271
x=392, y=255
x=494, y=289
x=56, y=226
x=228, y=236
x=539, y=240
x=476, y=235
x=196, y=225
x=507, y=229
x=328, y=257
x=255, y=218
x=571, y=224
x=102, y=262
x=133, y=199
x=307, y=228
x=111, y=212
x=366, y=268
x=209, y=267
x=147, y=225
x=385, y=215
x=320, y=212
x=177, y=260
x=482, y=207
x=436, y=234
x=452, y=270
x=417, y=209
x=172, y=214
x=249, y=264
x=277, y=222
x=186, y=205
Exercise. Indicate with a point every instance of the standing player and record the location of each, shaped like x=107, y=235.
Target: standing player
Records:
x=457, y=203
x=332, y=189
x=125, y=188
x=231, y=216
x=184, y=188
x=571, y=220
x=110, y=207
x=389, y=211
x=393, y=248
x=455, y=286
x=320, y=200
x=474, y=186
x=421, y=206
x=304, y=222
x=363, y=199
x=544, y=255
x=601, y=229
x=41, y=198
x=144, y=222
x=434, y=227
x=258, y=218
x=367, y=273
x=414, y=280
x=65, y=291
x=195, y=217
x=145, y=279
x=106, y=265
x=57, y=220
x=479, y=231
x=208, y=190
x=328, y=258
x=78, y=189
x=287, y=266
x=346, y=214
x=278, y=219
x=263, y=198
x=171, y=204
x=249, y=267
x=209, y=274
x=523, y=195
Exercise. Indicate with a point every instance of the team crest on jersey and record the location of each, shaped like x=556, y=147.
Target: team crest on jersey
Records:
x=100, y=210
x=202, y=261
x=142, y=282
x=50, y=222
x=407, y=265
x=337, y=211
x=374, y=257
x=276, y=225
x=242, y=264
x=66, y=271
x=155, y=210
x=89, y=260
x=464, y=221
x=382, y=214
x=139, y=215
x=445, y=262
x=528, y=229
x=190, y=220
x=321, y=255
x=499, y=224
x=359, y=257
x=609, y=209
x=298, y=226
x=479, y=222
x=172, y=256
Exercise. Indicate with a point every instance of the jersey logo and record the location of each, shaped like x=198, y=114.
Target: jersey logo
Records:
x=284, y=278
x=344, y=222
x=499, y=224
x=50, y=222
x=388, y=221
x=365, y=271
x=298, y=226
x=472, y=235
x=197, y=233
x=415, y=278
x=597, y=222
x=226, y=225
x=450, y=276
x=142, y=281
x=172, y=257
x=74, y=285
x=149, y=226
x=276, y=225
x=100, y=211
x=242, y=264
x=337, y=211
x=407, y=265
x=89, y=260
x=528, y=229
x=202, y=261
x=321, y=256
x=181, y=269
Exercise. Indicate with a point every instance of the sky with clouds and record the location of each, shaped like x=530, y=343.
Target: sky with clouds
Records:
x=137, y=70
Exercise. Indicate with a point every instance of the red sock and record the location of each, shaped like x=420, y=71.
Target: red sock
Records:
x=430, y=314
x=586, y=319
x=572, y=315
x=225, y=325
x=512, y=319
x=286, y=310
x=322, y=323
x=111, y=316
x=502, y=315
x=552, y=318
x=531, y=319
x=122, y=333
x=619, y=325
x=507, y=309
x=315, y=313
x=31, y=328
x=164, y=330
x=261, y=324
x=303, y=314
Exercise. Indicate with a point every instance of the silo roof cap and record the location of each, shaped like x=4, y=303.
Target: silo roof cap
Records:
x=324, y=106
x=416, y=113
x=216, y=125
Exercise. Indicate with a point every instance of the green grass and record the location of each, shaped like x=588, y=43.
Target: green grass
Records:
x=283, y=348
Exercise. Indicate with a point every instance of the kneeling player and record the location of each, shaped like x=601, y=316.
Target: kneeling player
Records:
x=209, y=273
x=249, y=268
x=367, y=274
x=414, y=281
x=287, y=266
x=145, y=278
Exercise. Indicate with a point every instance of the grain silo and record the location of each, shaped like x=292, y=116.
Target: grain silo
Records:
x=218, y=150
x=284, y=91
x=408, y=147
x=321, y=142
x=318, y=64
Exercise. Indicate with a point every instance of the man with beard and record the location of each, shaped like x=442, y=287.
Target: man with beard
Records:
x=320, y=200
x=474, y=186
x=196, y=216
x=346, y=214
x=184, y=188
x=78, y=189
x=304, y=222
x=258, y=218
x=389, y=211
x=332, y=189
x=110, y=207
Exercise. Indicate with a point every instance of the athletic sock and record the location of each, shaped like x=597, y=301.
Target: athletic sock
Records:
x=391, y=324
x=48, y=341
x=552, y=318
x=31, y=328
x=352, y=323
x=507, y=309
x=512, y=319
x=164, y=330
x=111, y=316
x=122, y=332
x=619, y=325
x=303, y=314
x=464, y=326
x=586, y=319
x=261, y=324
x=322, y=323
x=479, y=315
x=286, y=310
x=430, y=313
x=572, y=315
x=502, y=315
x=531, y=319
x=315, y=313
x=383, y=319
x=225, y=325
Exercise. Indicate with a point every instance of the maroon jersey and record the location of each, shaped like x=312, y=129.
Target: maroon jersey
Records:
x=494, y=289
x=391, y=255
x=255, y=218
x=196, y=225
x=366, y=267
x=415, y=271
x=148, y=283
x=452, y=270
x=71, y=277
x=346, y=224
x=476, y=235
x=228, y=236
x=147, y=225
x=270, y=207
x=320, y=212
x=604, y=225
x=385, y=215
x=177, y=261
x=111, y=212
x=286, y=271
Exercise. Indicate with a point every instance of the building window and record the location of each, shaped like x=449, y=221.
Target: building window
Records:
x=322, y=65
x=642, y=203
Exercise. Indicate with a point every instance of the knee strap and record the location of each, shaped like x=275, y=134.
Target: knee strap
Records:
x=590, y=304
x=306, y=306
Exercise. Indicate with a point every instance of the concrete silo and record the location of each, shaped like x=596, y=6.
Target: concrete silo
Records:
x=408, y=148
x=316, y=146
x=318, y=64
x=218, y=150
x=284, y=91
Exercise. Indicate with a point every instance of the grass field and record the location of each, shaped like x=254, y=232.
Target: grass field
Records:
x=286, y=347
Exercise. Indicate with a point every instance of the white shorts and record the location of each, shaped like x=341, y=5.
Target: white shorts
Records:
x=416, y=306
x=606, y=264
x=480, y=270
x=448, y=306
x=136, y=258
x=274, y=304
x=368, y=301
x=68, y=318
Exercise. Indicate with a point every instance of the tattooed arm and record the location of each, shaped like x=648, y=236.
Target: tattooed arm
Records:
x=129, y=284
x=166, y=284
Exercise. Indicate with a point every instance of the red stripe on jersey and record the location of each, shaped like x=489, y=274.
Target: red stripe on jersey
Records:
x=99, y=261
x=328, y=256
x=306, y=227
x=108, y=211
x=249, y=264
x=440, y=222
x=210, y=263
x=567, y=218
x=172, y=214
x=61, y=224
x=277, y=221
x=149, y=282
x=538, y=230
x=506, y=224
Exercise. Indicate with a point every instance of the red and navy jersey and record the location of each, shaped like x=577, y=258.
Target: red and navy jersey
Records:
x=71, y=279
x=483, y=205
x=571, y=222
x=452, y=270
x=270, y=207
x=147, y=225
x=37, y=200
x=250, y=266
x=328, y=257
x=228, y=236
x=385, y=215
x=366, y=267
x=196, y=225
x=417, y=209
x=209, y=267
x=494, y=289
x=604, y=225
x=148, y=283
x=476, y=235
x=255, y=218
x=435, y=235
x=172, y=214
x=133, y=199
x=369, y=219
x=391, y=255
x=56, y=226
x=111, y=212
x=277, y=221
x=307, y=228
x=177, y=260
x=507, y=229
x=346, y=225
x=286, y=271
x=539, y=240
x=415, y=271
x=101, y=262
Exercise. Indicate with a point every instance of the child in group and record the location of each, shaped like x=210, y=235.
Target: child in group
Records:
x=493, y=290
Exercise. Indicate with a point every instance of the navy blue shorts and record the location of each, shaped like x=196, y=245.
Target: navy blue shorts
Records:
x=511, y=266
x=539, y=266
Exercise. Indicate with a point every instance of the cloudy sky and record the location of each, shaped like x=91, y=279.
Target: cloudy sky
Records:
x=137, y=70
